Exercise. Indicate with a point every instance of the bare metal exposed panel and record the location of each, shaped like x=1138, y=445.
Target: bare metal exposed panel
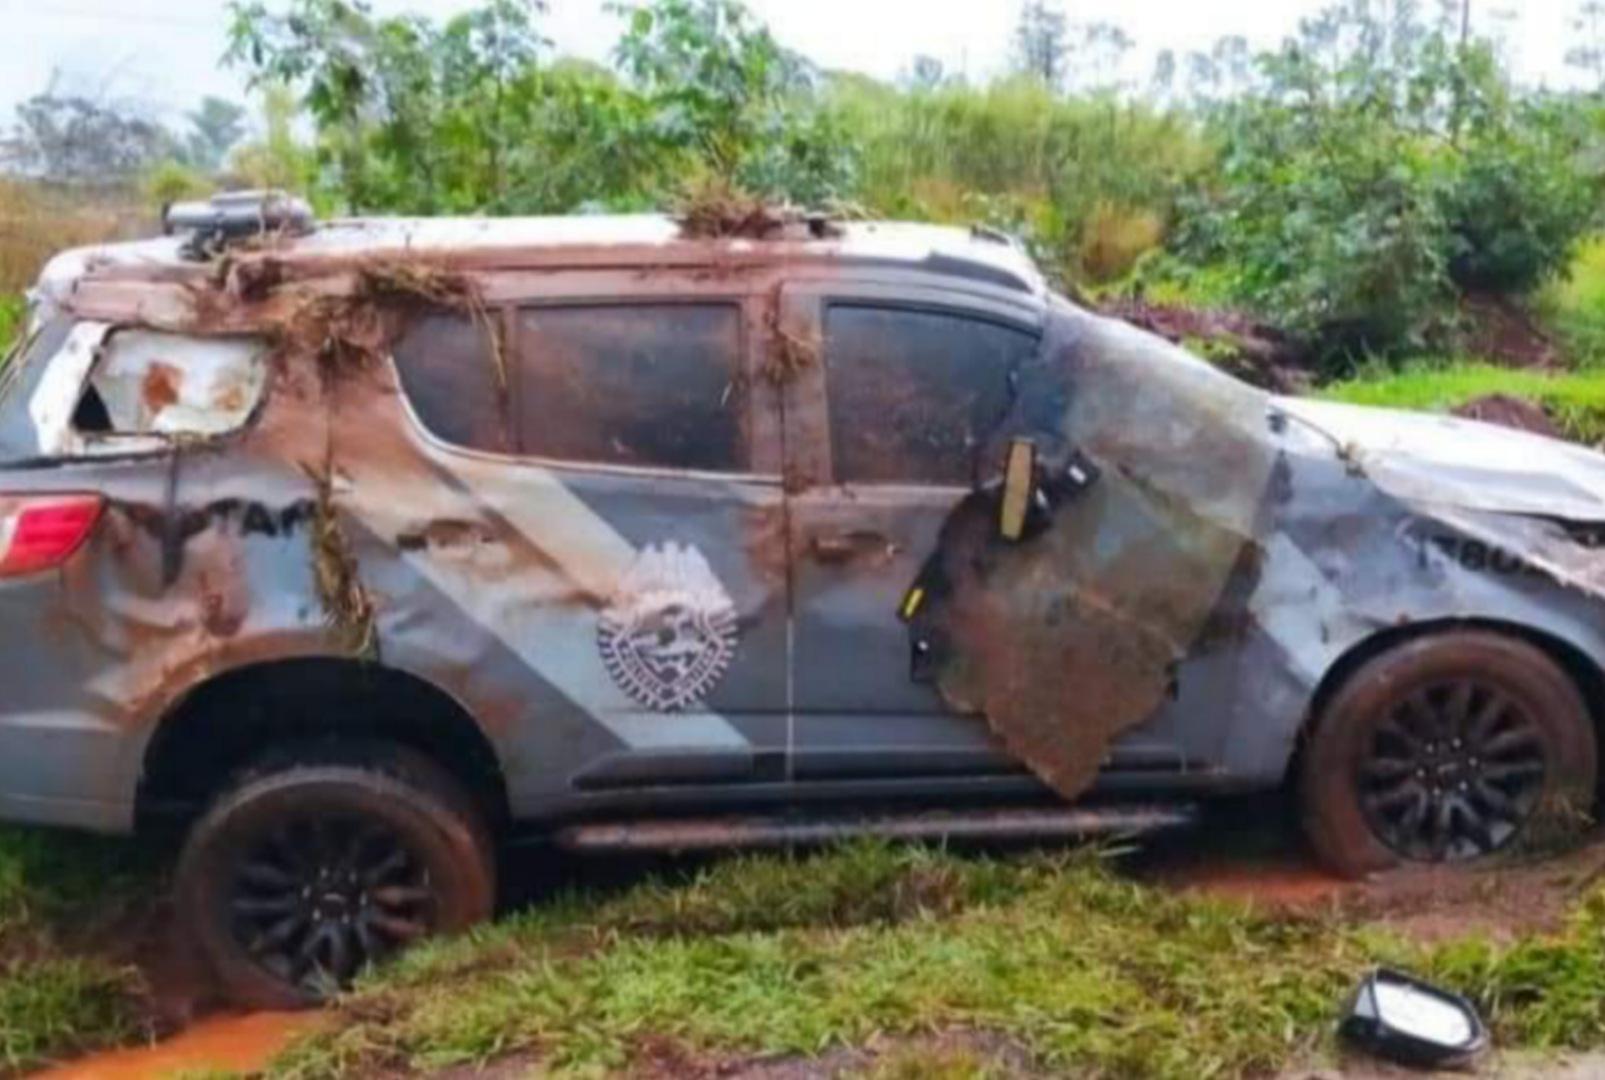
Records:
x=168, y=384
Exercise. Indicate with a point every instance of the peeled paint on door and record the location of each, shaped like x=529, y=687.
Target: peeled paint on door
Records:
x=1071, y=636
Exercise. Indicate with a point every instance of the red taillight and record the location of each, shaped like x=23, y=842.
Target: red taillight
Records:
x=38, y=532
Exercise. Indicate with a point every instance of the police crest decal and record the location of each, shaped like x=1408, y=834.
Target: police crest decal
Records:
x=669, y=631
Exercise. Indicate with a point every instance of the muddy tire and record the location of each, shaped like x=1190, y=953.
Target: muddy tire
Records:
x=1447, y=748
x=317, y=864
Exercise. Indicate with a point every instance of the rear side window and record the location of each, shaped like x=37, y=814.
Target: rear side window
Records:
x=652, y=385
x=450, y=372
x=914, y=394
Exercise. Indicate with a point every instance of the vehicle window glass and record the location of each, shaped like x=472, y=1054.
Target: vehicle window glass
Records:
x=914, y=394
x=451, y=374
x=149, y=383
x=641, y=384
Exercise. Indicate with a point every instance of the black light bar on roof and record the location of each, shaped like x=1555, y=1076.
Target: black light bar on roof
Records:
x=236, y=215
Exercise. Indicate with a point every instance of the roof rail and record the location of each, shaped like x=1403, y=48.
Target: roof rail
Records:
x=215, y=223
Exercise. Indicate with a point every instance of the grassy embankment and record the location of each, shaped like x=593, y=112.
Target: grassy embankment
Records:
x=1055, y=957
x=1572, y=310
x=58, y=991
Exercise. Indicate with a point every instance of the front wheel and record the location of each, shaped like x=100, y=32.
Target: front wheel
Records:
x=301, y=876
x=1445, y=749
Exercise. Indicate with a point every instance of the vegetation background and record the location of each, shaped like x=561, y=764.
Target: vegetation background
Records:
x=1374, y=211
x=1376, y=189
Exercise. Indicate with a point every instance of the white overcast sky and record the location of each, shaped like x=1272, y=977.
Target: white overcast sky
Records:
x=163, y=54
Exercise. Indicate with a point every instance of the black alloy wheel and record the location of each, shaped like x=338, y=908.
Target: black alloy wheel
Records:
x=304, y=873
x=1454, y=771
x=1447, y=747
x=317, y=900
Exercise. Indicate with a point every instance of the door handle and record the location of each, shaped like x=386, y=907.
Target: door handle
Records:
x=839, y=547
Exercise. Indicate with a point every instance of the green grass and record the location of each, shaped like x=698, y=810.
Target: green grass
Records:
x=1574, y=399
x=1574, y=307
x=52, y=999
x=12, y=313
x=1083, y=970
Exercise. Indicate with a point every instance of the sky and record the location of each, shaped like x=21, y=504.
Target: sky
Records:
x=163, y=55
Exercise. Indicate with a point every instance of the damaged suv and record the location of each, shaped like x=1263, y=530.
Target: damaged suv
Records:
x=356, y=549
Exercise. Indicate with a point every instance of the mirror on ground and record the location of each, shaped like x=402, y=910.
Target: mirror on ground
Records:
x=1401, y=1018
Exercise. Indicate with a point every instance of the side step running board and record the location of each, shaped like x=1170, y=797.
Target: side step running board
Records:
x=738, y=833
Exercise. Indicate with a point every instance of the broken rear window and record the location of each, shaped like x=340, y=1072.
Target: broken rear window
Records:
x=640, y=384
x=915, y=393
x=149, y=383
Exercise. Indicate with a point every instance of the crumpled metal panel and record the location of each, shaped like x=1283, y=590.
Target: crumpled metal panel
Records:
x=1072, y=637
x=1233, y=547
x=168, y=384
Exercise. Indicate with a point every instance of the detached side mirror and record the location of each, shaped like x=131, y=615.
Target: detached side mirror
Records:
x=1019, y=488
x=1403, y=1019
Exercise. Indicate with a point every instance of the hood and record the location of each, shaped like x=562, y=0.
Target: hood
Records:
x=1447, y=461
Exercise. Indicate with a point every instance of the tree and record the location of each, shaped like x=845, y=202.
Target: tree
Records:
x=215, y=127
x=1377, y=167
x=1588, y=55
x=1042, y=42
x=1222, y=73
x=277, y=159
x=717, y=86
x=74, y=139
x=926, y=73
x=411, y=115
x=1096, y=54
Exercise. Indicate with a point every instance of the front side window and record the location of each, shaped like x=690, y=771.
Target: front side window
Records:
x=914, y=394
x=653, y=385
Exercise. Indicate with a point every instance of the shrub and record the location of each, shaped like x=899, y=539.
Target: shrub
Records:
x=1090, y=183
x=1114, y=237
x=1515, y=208
x=1376, y=167
x=173, y=181
x=1573, y=305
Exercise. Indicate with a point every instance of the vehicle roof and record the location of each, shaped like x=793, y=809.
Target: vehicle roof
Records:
x=599, y=240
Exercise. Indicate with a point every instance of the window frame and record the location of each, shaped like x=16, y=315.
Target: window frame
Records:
x=512, y=294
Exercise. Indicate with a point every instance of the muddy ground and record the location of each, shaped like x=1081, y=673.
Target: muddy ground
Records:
x=1247, y=850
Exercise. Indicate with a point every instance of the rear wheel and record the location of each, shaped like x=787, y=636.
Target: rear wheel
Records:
x=1447, y=748
x=305, y=873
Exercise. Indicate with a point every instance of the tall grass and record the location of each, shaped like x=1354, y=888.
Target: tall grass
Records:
x=1090, y=180
x=36, y=222
x=1574, y=306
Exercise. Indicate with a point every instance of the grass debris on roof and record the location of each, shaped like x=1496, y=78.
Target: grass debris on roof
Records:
x=713, y=208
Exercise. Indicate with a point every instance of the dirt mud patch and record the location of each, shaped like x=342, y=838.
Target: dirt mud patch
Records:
x=1251, y=851
x=1512, y=412
x=235, y=1044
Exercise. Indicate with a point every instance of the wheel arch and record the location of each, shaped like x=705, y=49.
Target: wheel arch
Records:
x=223, y=723
x=1585, y=672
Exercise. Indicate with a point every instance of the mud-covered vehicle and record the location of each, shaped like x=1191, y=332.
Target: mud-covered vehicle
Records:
x=357, y=550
